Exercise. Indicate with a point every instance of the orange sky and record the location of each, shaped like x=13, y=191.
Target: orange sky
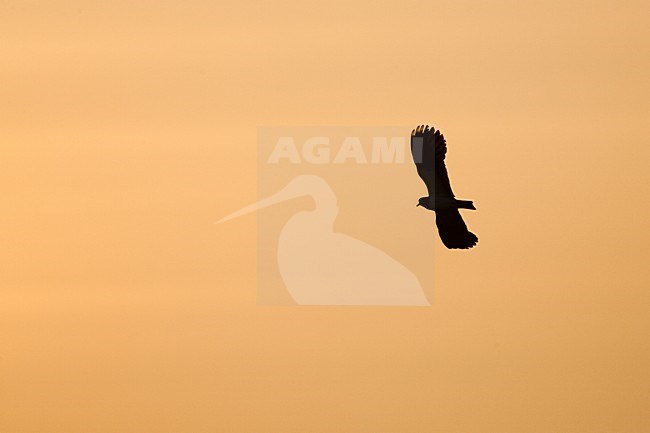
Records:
x=128, y=128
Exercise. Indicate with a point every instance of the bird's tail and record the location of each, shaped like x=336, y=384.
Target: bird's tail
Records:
x=465, y=204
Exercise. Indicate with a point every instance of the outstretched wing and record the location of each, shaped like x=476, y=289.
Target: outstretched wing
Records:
x=429, y=148
x=453, y=231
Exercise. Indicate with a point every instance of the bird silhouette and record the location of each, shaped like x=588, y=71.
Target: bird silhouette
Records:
x=322, y=267
x=428, y=147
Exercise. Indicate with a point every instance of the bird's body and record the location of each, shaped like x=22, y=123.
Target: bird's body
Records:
x=429, y=148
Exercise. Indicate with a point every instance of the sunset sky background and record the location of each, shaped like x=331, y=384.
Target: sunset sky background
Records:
x=128, y=128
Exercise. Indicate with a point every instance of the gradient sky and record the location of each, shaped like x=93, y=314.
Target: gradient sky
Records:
x=128, y=128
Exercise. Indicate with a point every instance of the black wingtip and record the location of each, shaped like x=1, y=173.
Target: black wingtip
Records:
x=453, y=231
x=470, y=240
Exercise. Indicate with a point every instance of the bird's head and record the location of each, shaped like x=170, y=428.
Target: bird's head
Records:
x=424, y=202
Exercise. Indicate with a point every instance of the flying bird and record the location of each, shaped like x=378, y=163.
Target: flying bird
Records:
x=428, y=147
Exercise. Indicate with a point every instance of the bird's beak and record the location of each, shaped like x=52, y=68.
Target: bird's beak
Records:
x=284, y=194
